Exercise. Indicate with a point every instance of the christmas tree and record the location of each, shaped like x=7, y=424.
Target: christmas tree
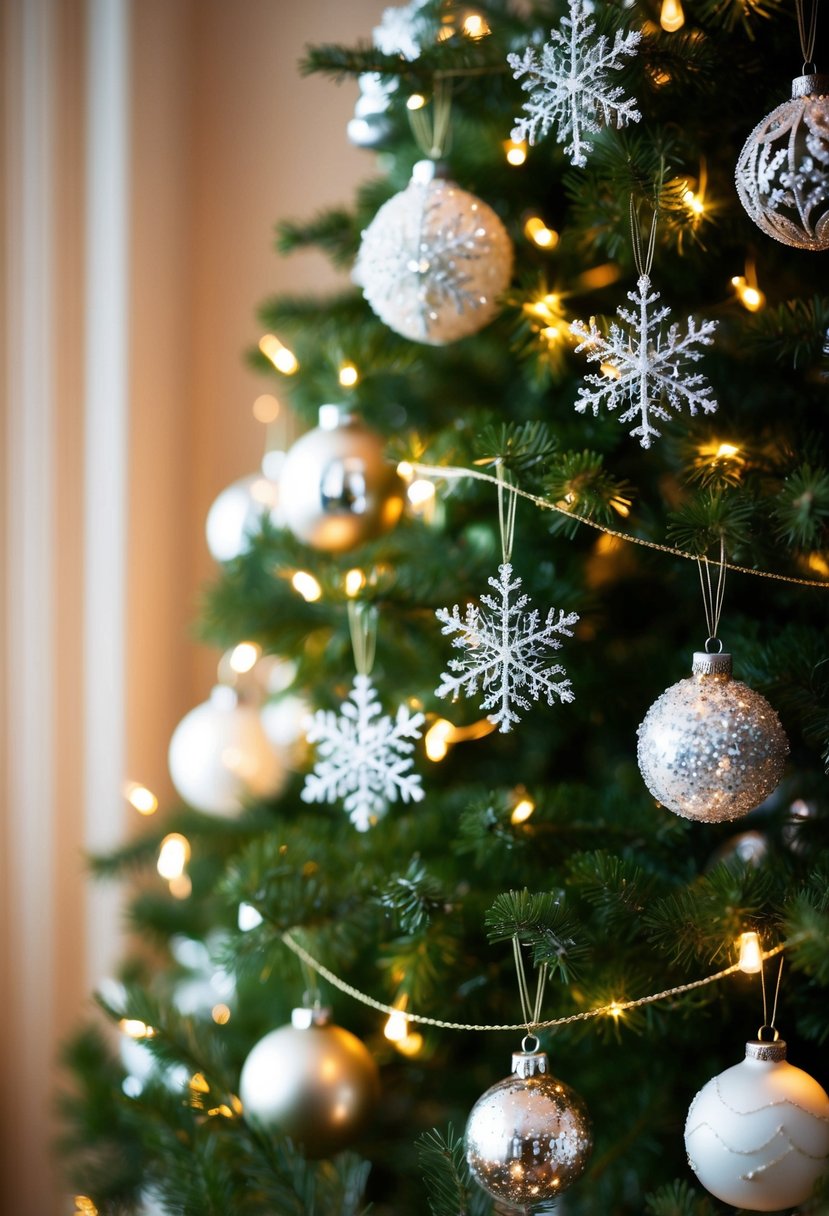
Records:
x=565, y=449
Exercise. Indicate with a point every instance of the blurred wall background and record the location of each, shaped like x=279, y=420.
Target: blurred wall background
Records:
x=147, y=148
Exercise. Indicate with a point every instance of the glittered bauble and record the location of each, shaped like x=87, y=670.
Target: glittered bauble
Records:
x=337, y=490
x=528, y=1137
x=236, y=515
x=711, y=748
x=312, y=1081
x=220, y=755
x=783, y=170
x=757, y=1136
x=434, y=260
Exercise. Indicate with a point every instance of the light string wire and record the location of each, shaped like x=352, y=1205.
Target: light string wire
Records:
x=713, y=600
x=611, y=1010
x=451, y=472
x=807, y=32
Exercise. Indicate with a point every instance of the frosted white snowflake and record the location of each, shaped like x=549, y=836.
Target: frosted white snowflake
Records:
x=505, y=651
x=645, y=365
x=569, y=83
x=363, y=756
x=401, y=30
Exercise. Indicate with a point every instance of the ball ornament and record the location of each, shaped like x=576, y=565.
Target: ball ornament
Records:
x=235, y=516
x=711, y=748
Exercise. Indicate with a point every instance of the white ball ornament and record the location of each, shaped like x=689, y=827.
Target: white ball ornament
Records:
x=236, y=514
x=434, y=260
x=312, y=1081
x=711, y=748
x=782, y=172
x=219, y=756
x=757, y=1135
x=529, y=1136
x=337, y=489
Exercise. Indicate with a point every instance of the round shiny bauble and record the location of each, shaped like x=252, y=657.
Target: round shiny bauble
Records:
x=434, y=260
x=757, y=1136
x=337, y=490
x=782, y=172
x=528, y=1137
x=312, y=1081
x=711, y=748
x=236, y=515
x=220, y=756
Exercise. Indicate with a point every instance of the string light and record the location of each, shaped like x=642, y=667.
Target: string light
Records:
x=397, y=1025
x=536, y=230
x=284, y=360
x=748, y=292
x=133, y=1028
x=671, y=18
x=818, y=563
x=615, y=1010
x=421, y=495
x=415, y=102
x=523, y=809
x=515, y=151
x=220, y=1014
x=307, y=586
x=244, y=657
x=405, y=470
x=436, y=740
x=181, y=887
x=173, y=856
x=694, y=202
x=751, y=954
x=84, y=1206
x=355, y=580
x=141, y=799
x=475, y=26
x=349, y=376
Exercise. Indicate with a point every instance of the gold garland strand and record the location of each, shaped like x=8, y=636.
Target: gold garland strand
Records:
x=450, y=473
x=611, y=1010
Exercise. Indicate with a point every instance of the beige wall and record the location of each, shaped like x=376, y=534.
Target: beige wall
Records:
x=223, y=138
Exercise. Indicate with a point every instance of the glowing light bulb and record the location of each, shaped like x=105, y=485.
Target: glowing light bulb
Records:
x=405, y=470
x=515, y=151
x=411, y=1045
x=436, y=740
x=244, y=657
x=536, y=230
x=355, y=580
x=349, y=376
x=671, y=18
x=416, y=102
x=397, y=1026
x=726, y=450
x=751, y=954
x=141, y=799
x=307, y=586
x=420, y=492
x=173, y=855
x=748, y=293
x=615, y=1010
x=284, y=360
x=475, y=25
x=220, y=1014
x=522, y=810
x=694, y=202
x=133, y=1028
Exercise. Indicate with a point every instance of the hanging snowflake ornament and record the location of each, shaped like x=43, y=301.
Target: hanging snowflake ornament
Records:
x=364, y=756
x=403, y=29
x=505, y=651
x=645, y=365
x=569, y=83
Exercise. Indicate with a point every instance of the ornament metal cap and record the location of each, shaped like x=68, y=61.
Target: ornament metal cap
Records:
x=307, y=1016
x=814, y=85
x=706, y=664
x=774, y=1052
x=425, y=171
x=332, y=416
x=530, y=1063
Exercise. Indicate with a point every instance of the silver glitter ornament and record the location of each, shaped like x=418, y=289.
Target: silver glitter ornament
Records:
x=312, y=1081
x=782, y=172
x=528, y=1137
x=757, y=1135
x=337, y=490
x=711, y=748
x=434, y=260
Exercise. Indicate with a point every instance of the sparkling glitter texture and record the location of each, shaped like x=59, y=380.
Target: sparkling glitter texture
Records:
x=757, y=1135
x=528, y=1137
x=711, y=748
x=782, y=172
x=434, y=260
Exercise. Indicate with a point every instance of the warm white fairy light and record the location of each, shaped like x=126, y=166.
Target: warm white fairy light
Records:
x=307, y=586
x=436, y=740
x=415, y=102
x=615, y=1010
x=134, y=1028
x=522, y=810
x=244, y=657
x=397, y=1026
x=348, y=375
x=420, y=494
x=475, y=25
x=173, y=856
x=515, y=151
x=671, y=18
x=751, y=953
x=141, y=799
x=536, y=230
x=748, y=293
x=220, y=1014
x=283, y=359
x=355, y=581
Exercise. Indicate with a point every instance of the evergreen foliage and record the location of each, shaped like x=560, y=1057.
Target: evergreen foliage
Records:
x=618, y=897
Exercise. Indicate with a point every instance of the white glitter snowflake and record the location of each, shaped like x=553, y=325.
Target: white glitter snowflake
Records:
x=401, y=30
x=569, y=83
x=363, y=756
x=505, y=651
x=645, y=365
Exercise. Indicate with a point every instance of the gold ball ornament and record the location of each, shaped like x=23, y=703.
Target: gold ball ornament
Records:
x=782, y=173
x=312, y=1081
x=529, y=1136
x=434, y=260
x=711, y=748
x=757, y=1135
x=337, y=490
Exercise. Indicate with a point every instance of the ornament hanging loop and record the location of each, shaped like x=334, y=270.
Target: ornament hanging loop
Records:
x=531, y=1013
x=644, y=264
x=362, y=624
x=432, y=134
x=530, y=1044
x=713, y=597
x=807, y=29
x=506, y=511
x=769, y=1025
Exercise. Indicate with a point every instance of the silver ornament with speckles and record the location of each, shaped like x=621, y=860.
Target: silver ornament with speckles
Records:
x=711, y=748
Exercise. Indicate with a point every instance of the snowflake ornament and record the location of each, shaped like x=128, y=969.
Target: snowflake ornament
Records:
x=569, y=83
x=505, y=651
x=401, y=30
x=645, y=365
x=363, y=756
